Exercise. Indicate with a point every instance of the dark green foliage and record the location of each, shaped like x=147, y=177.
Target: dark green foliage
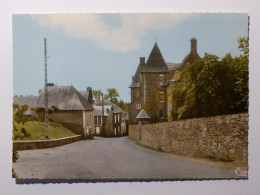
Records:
x=210, y=86
x=123, y=105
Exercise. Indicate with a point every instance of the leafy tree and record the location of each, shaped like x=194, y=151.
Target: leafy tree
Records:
x=243, y=45
x=18, y=112
x=210, y=86
x=112, y=95
x=123, y=105
x=96, y=92
x=20, y=117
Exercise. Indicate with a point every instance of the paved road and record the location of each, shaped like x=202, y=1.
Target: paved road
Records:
x=110, y=158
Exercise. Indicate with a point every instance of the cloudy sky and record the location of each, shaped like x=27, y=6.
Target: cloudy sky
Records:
x=103, y=50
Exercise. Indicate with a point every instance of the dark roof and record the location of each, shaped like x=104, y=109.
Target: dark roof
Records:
x=173, y=66
x=136, y=78
x=142, y=115
x=25, y=100
x=98, y=110
x=155, y=62
x=191, y=57
x=84, y=94
x=64, y=98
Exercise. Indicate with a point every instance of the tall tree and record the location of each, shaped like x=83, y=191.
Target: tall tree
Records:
x=210, y=86
x=112, y=95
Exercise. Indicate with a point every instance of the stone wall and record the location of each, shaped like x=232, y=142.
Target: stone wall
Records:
x=40, y=144
x=72, y=120
x=223, y=138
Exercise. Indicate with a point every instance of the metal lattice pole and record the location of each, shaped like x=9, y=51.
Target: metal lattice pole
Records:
x=46, y=91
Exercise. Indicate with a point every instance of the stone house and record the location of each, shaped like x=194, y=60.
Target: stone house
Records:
x=113, y=122
x=152, y=84
x=73, y=111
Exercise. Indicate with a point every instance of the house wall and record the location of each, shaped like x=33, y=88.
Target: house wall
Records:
x=136, y=98
x=73, y=120
x=223, y=138
x=152, y=89
x=109, y=126
x=149, y=91
x=88, y=124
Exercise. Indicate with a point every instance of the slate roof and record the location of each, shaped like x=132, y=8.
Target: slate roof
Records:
x=192, y=56
x=174, y=66
x=142, y=115
x=25, y=100
x=98, y=110
x=155, y=62
x=64, y=98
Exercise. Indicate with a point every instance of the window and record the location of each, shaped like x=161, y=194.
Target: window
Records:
x=138, y=106
x=161, y=96
x=161, y=114
x=161, y=78
x=107, y=110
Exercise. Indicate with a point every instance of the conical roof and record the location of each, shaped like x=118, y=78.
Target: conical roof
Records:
x=155, y=62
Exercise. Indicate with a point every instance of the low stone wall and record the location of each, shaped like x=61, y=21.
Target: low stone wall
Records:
x=223, y=138
x=40, y=144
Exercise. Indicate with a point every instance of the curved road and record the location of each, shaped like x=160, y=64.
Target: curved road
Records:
x=110, y=158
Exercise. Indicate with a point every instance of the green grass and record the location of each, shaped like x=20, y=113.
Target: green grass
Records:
x=37, y=130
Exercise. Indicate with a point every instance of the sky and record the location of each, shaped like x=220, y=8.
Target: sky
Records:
x=103, y=50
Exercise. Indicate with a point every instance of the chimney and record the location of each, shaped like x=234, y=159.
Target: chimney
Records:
x=98, y=99
x=193, y=45
x=90, y=95
x=142, y=60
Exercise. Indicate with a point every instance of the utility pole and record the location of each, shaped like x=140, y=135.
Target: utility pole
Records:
x=46, y=91
x=103, y=118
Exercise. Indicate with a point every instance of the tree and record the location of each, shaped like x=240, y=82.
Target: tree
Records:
x=243, y=45
x=210, y=86
x=123, y=105
x=96, y=92
x=20, y=117
x=112, y=95
x=18, y=112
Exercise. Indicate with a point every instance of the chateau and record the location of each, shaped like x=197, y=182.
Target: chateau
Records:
x=152, y=84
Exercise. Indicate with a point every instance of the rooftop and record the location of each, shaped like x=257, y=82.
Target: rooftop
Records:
x=64, y=98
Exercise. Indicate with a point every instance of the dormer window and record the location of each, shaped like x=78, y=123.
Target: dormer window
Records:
x=107, y=110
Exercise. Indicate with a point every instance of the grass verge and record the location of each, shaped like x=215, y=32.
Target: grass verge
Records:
x=36, y=131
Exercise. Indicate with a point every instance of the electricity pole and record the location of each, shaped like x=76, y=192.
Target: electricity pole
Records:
x=46, y=91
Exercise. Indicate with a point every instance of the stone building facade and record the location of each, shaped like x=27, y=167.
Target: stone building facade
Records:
x=152, y=84
x=73, y=111
x=109, y=121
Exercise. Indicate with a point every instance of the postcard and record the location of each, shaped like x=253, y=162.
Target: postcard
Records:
x=130, y=96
